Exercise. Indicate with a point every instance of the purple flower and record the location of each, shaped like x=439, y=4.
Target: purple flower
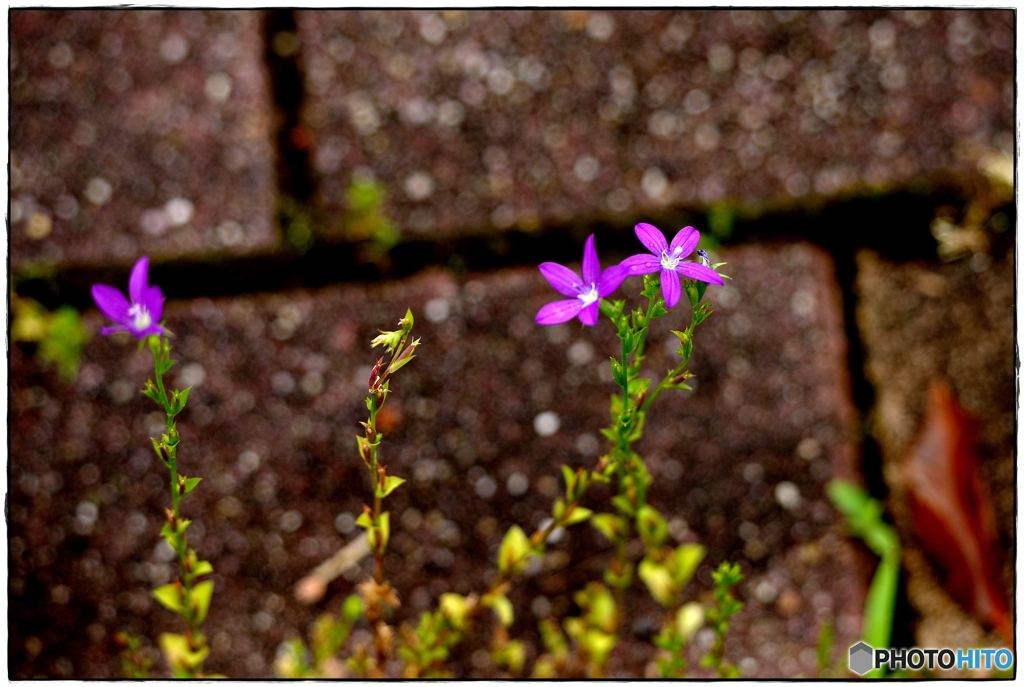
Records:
x=585, y=291
x=668, y=257
x=141, y=315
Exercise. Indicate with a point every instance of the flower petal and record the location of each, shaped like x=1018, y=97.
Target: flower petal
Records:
x=107, y=331
x=686, y=238
x=692, y=270
x=591, y=264
x=651, y=237
x=641, y=264
x=670, y=287
x=111, y=302
x=138, y=282
x=559, y=311
x=588, y=315
x=153, y=302
x=562, y=279
x=610, y=279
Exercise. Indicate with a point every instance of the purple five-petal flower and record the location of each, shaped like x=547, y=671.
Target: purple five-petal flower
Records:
x=141, y=314
x=585, y=292
x=668, y=258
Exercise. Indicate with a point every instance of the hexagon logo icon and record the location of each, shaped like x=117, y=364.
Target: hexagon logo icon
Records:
x=860, y=658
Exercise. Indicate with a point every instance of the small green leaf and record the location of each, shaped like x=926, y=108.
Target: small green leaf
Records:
x=578, y=514
x=659, y=582
x=607, y=524
x=454, y=607
x=570, y=481
x=201, y=595
x=513, y=550
x=352, y=609
x=202, y=568
x=365, y=520
x=179, y=399
x=685, y=560
x=652, y=527
x=689, y=619
x=638, y=385
x=191, y=483
x=502, y=608
x=169, y=597
x=622, y=502
x=179, y=655
x=390, y=484
x=618, y=372
x=385, y=528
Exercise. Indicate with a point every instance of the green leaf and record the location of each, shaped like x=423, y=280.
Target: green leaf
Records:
x=659, y=582
x=881, y=602
x=365, y=520
x=202, y=568
x=618, y=372
x=191, y=483
x=652, y=527
x=502, y=608
x=578, y=514
x=169, y=596
x=179, y=399
x=638, y=385
x=652, y=286
x=607, y=524
x=201, y=595
x=179, y=655
x=622, y=502
x=689, y=619
x=570, y=481
x=352, y=609
x=454, y=607
x=685, y=560
x=384, y=521
x=513, y=550
x=390, y=484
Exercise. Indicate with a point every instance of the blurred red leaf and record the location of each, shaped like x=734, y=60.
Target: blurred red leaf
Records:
x=953, y=515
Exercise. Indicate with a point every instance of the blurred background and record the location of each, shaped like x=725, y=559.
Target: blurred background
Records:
x=300, y=177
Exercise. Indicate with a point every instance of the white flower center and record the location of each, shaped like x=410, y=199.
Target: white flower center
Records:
x=669, y=261
x=590, y=296
x=141, y=318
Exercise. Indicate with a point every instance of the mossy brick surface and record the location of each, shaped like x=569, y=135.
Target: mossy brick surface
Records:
x=278, y=381
x=138, y=132
x=481, y=121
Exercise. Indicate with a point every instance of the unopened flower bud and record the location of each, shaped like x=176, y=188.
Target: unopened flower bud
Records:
x=704, y=259
x=374, y=382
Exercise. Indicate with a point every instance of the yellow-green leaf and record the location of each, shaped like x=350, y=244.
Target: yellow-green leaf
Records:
x=578, y=514
x=686, y=558
x=607, y=524
x=390, y=484
x=169, y=597
x=502, y=608
x=514, y=548
x=202, y=568
x=201, y=595
x=658, y=581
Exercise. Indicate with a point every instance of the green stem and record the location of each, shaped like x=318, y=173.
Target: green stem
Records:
x=159, y=349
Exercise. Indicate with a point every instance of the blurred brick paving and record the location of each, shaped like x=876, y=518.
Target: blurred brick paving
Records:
x=157, y=132
x=138, y=132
